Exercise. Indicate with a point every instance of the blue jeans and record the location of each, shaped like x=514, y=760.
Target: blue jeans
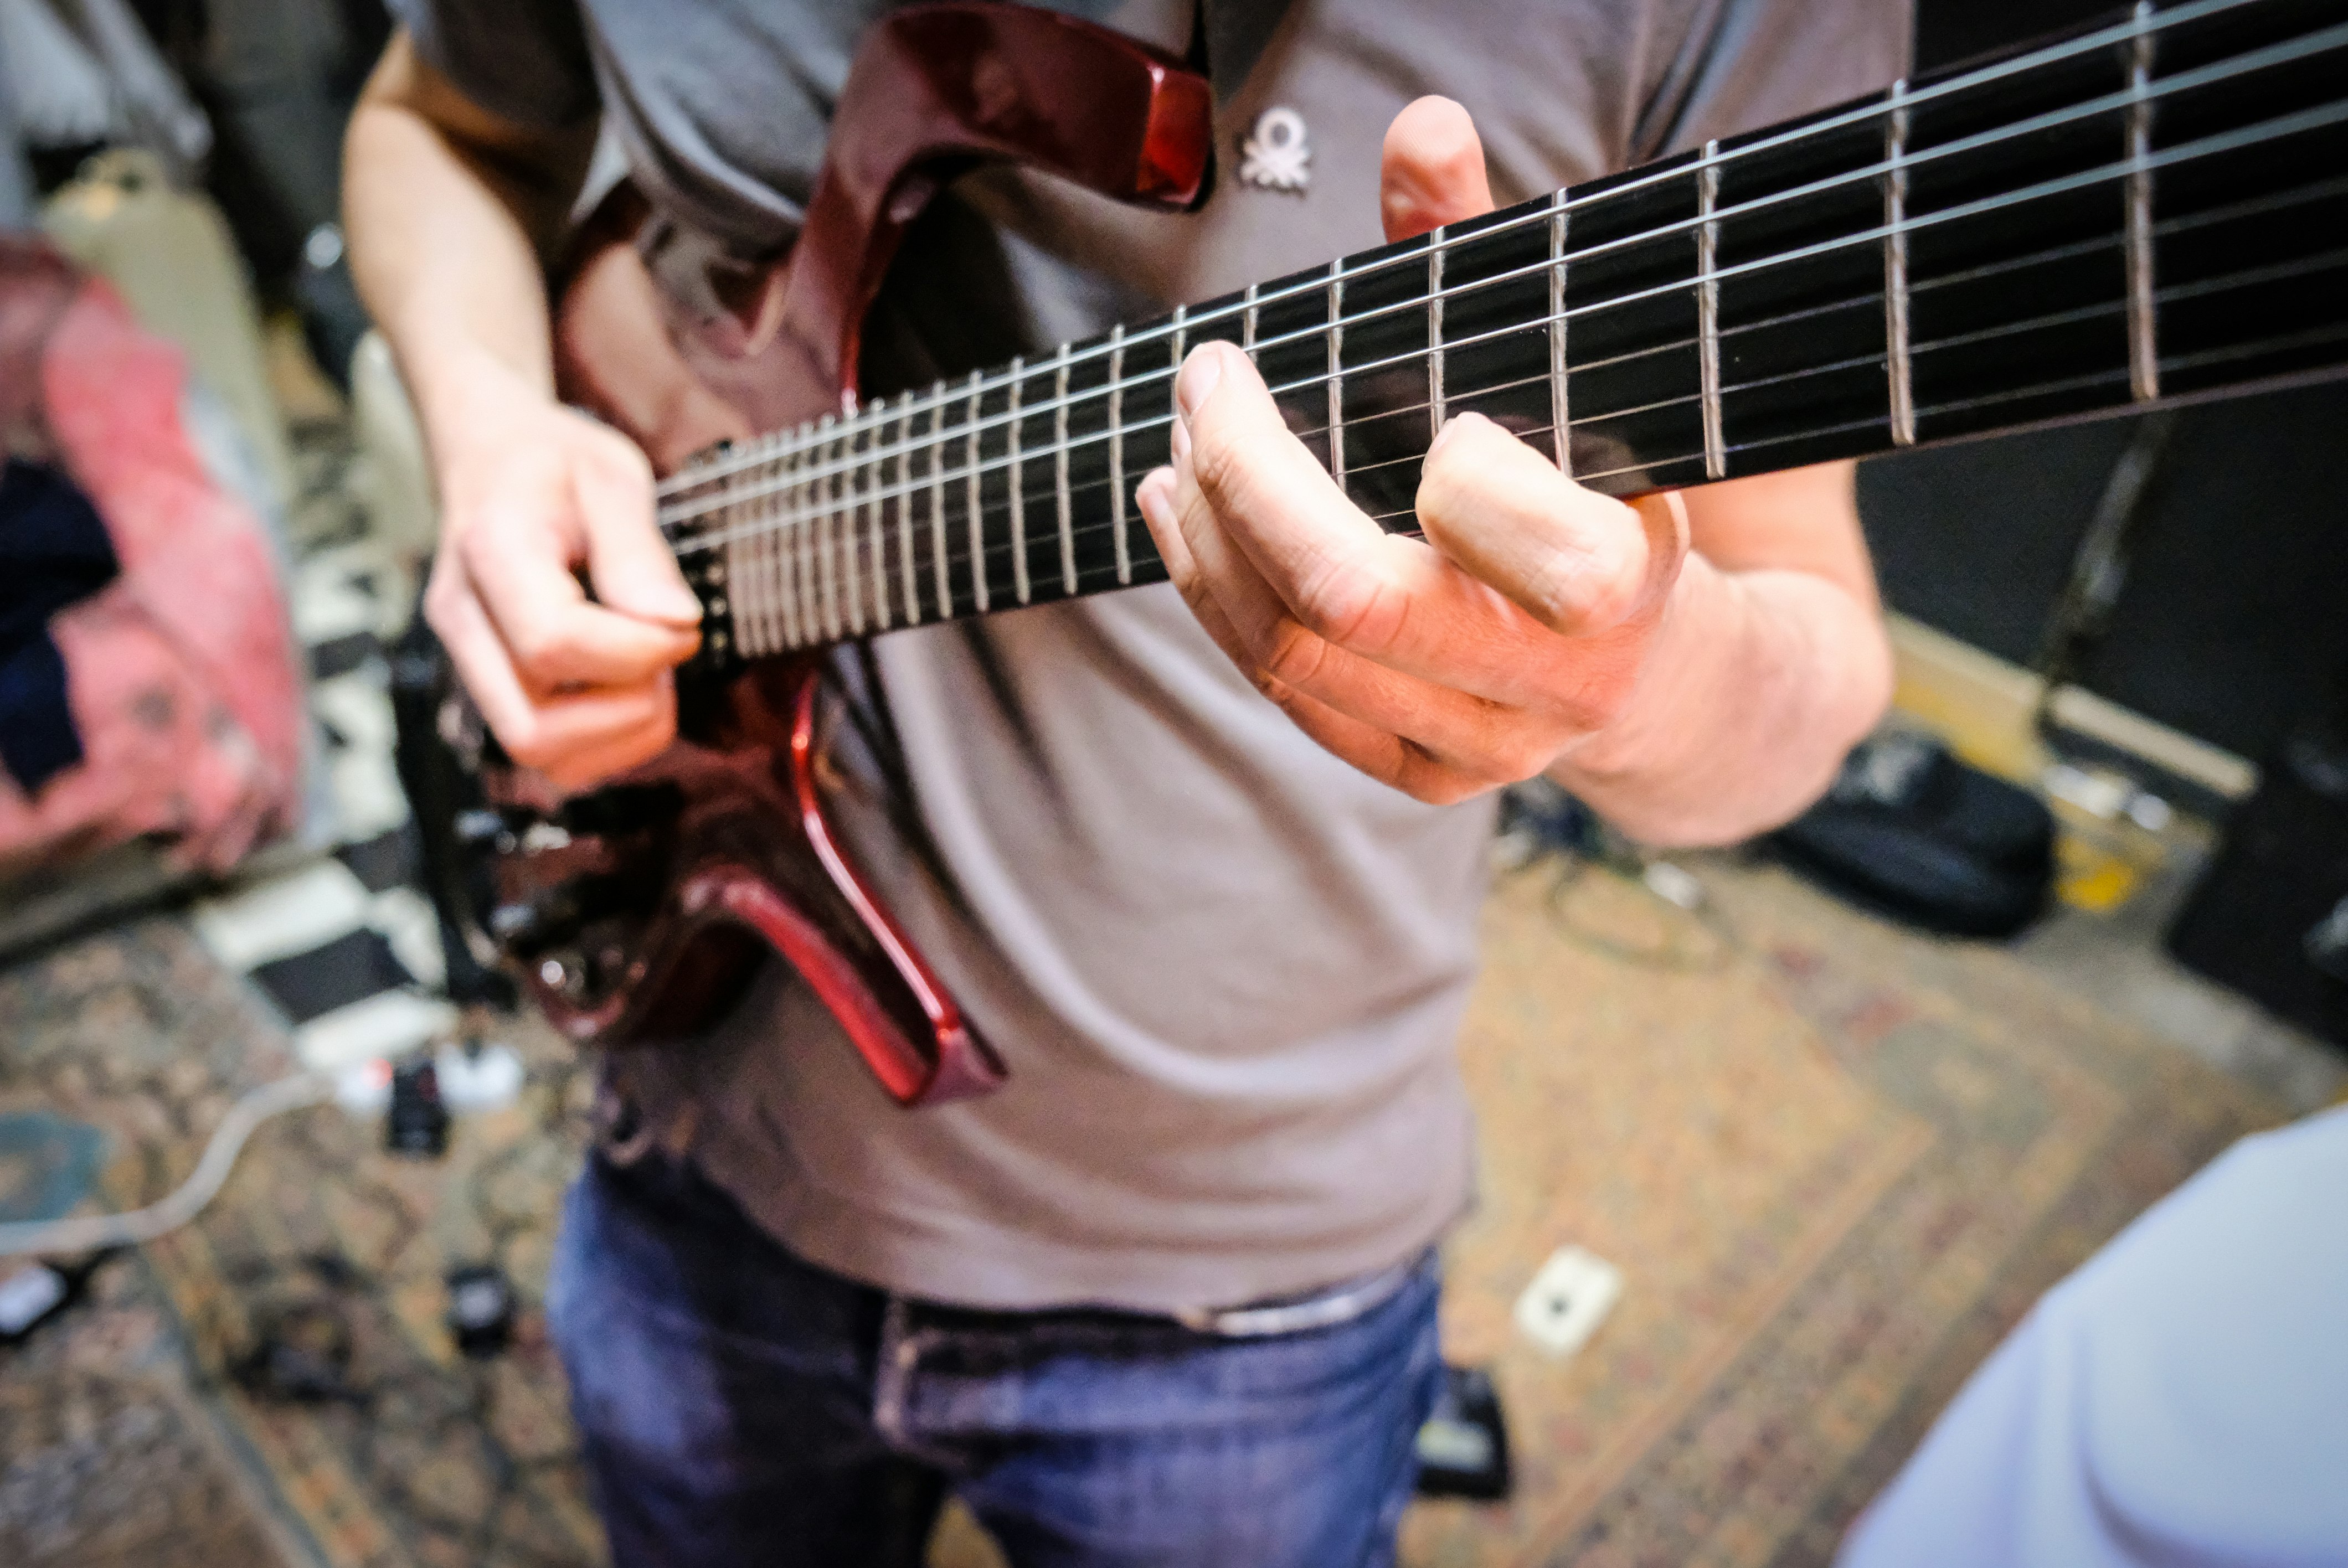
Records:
x=739, y=1405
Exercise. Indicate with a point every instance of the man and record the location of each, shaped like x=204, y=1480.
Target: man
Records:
x=1202, y=862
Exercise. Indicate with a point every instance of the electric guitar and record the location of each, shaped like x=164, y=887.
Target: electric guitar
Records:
x=2145, y=212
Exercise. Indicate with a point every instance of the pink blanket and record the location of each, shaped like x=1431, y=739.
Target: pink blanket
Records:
x=181, y=673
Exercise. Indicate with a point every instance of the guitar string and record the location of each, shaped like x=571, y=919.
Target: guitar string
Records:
x=1092, y=579
x=1912, y=97
x=677, y=512
x=2336, y=332
x=801, y=480
x=962, y=559
x=882, y=410
x=909, y=485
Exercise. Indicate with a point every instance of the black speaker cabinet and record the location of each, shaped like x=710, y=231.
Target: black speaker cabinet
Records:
x=2269, y=918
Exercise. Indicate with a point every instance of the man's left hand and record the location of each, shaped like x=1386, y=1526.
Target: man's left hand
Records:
x=1447, y=666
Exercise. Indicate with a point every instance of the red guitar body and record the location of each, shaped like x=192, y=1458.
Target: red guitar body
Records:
x=639, y=913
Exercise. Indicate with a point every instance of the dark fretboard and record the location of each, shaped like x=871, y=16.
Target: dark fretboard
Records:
x=2151, y=210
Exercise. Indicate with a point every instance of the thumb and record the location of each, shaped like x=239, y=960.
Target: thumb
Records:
x=1432, y=170
x=630, y=564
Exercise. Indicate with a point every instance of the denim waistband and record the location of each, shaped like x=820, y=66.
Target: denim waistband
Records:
x=631, y=1158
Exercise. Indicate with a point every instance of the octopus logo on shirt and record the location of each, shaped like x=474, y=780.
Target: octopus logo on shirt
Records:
x=1275, y=156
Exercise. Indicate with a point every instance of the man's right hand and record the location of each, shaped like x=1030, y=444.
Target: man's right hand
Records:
x=452, y=211
x=534, y=496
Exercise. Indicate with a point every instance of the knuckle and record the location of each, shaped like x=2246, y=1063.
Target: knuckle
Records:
x=621, y=462
x=1278, y=693
x=1214, y=466
x=1224, y=463
x=1594, y=703
x=1423, y=776
x=442, y=600
x=1596, y=587
x=1292, y=655
x=1521, y=757
x=1342, y=604
x=542, y=654
x=528, y=744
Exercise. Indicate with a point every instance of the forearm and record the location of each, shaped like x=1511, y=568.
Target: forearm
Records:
x=1757, y=683
x=446, y=221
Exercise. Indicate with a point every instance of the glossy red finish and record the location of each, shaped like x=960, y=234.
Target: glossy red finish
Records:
x=959, y=1064
x=751, y=862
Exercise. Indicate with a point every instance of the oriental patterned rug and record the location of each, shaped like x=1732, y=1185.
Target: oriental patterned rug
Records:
x=1833, y=1161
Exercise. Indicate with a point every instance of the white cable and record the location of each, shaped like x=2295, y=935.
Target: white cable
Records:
x=89, y=1233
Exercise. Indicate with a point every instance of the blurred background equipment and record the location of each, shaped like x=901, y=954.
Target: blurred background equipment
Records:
x=1463, y=1449
x=2270, y=916
x=481, y=1309
x=1909, y=831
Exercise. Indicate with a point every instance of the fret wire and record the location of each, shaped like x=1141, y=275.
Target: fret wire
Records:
x=796, y=540
x=876, y=520
x=1117, y=451
x=745, y=586
x=938, y=565
x=1899, y=363
x=2116, y=377
x=1181, y=316
x=790, y=498
x=1707, y=311
x=1018, y=494
x=730, y=579
x=2166, y=86
x=2116, y=34
x=2143, y=359
x=737, y=590
x=823, y=564
x=1247, y=322
x=977, y=561
x=875, y=526
x=2173, y=155
x=809, y=502
x=842, y=523
x=745, y=589
x=1060, y=473
x=786, y=530
x=910, y=583
x=1335, y=333
x=863, y=570
x=824, y=496
x=2249, y=136
x=1557, y=389
x=2248, y=278
x=832, y=496
x=783, y=582
x=1435, y=332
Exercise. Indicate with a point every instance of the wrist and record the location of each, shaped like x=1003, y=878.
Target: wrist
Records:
x=472, y=403
x=1701, y=616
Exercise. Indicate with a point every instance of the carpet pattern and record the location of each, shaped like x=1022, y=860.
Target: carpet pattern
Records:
x=1833, y=1160
x=1835, y=1163
x=299, y=1325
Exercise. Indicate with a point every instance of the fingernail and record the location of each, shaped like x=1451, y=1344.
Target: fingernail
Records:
x=1200, y=374
x=1180, y=440
x=1444, y=434
x=1157, y=506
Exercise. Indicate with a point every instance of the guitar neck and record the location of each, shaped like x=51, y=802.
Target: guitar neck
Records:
x=2142, y=213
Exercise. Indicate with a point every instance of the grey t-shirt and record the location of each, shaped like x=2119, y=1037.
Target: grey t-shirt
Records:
x=1226, y=970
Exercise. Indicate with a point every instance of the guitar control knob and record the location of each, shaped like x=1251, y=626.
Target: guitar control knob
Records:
x=524, y=927
x=481, y=829
x=527, y=927
x=622, y=808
